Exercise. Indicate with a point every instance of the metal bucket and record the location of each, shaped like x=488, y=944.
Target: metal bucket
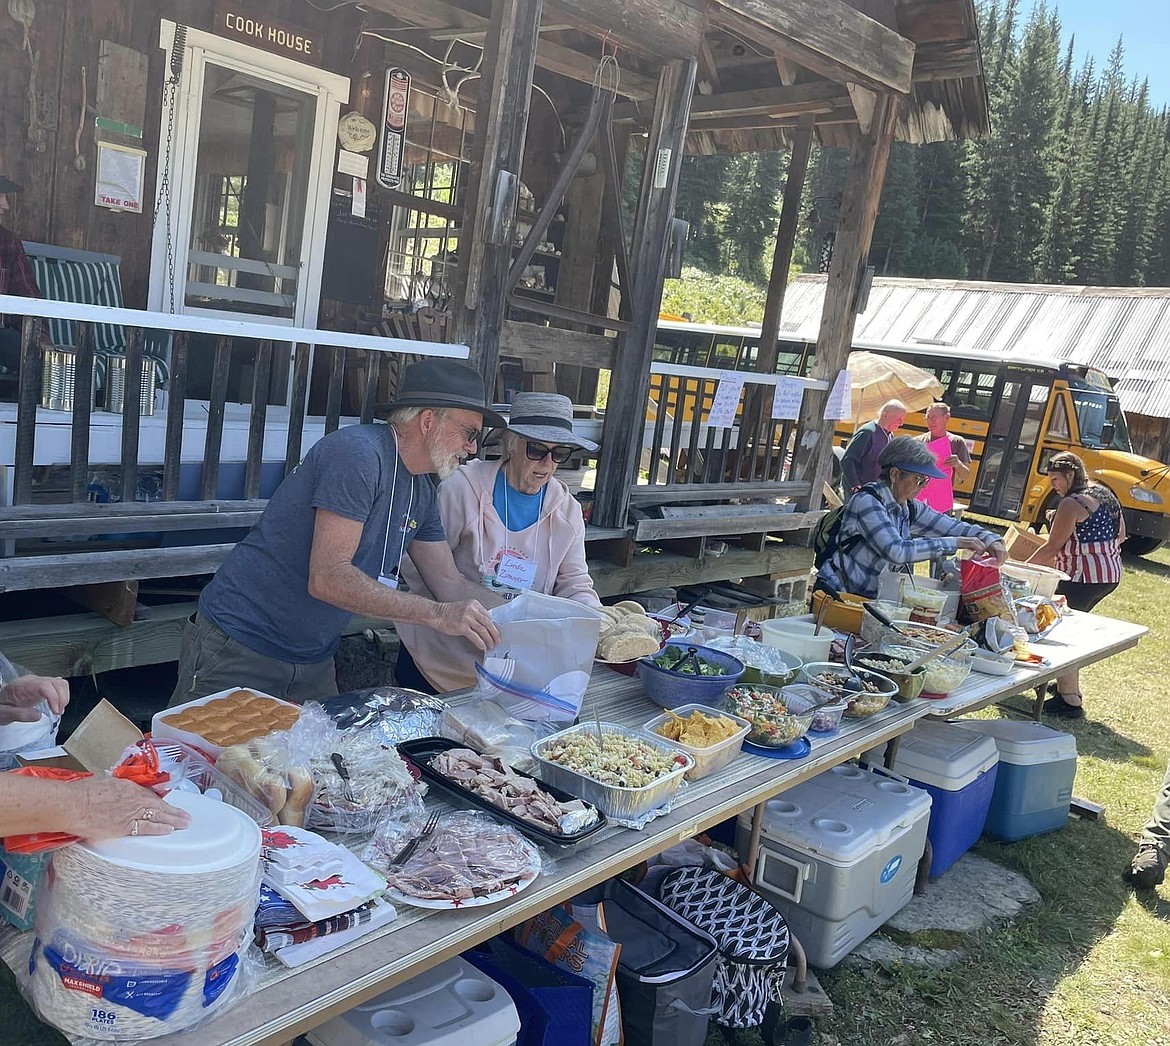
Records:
x=57, y=377
x=116, y=385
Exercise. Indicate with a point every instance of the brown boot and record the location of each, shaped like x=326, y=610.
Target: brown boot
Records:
x=1148, y=867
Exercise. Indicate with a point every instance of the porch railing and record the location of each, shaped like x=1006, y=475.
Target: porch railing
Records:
x=346, y=350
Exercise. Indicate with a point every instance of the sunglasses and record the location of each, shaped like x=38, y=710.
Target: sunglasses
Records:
x=919, y=480
x=470, y=434
x=538, y=452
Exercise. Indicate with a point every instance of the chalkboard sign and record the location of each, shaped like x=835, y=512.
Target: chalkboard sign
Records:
x=351, y=258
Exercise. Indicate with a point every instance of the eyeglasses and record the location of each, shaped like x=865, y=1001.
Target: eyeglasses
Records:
x=919, y=480
x=470, y=434
x=538, y=452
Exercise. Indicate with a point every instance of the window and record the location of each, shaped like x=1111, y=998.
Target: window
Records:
x=971, y=394
x=1058, y=424
x=1100, y=421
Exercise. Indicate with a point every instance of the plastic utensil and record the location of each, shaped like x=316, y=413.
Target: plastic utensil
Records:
x=343, y=773
x=692, y=655
x=884, y=618
x=407, y=851
x=703, y=592
x=853, y=680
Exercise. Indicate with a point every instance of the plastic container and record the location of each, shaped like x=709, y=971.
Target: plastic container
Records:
x=909, y=684
x=761, y=663
x=941, y=675
x=421, y=751
x=669, y=689
x=161, y=730
x=451, y=1004
x=800, y=697
x=615, y=801
x=1034, y=783
x=1041, y=580
x=958, y=770
x=992, y=664
x=858, y=705
x=712, y=758
x=794, y=635
x=205, y=776
x=838, y=856
x=773, y=724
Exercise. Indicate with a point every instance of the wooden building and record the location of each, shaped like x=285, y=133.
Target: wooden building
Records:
x=443, y=170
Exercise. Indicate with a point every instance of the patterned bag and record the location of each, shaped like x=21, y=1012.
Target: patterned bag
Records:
x=751, y=934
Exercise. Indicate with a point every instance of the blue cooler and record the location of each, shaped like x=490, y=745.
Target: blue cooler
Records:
x=957, y=769
x=1033, y=788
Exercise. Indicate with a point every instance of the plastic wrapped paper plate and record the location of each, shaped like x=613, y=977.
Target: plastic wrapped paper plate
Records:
x=528, y=878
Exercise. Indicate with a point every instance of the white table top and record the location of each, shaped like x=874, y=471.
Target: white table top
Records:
x=289, y=1002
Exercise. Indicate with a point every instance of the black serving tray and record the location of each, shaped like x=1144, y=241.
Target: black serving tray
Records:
x=421, y=751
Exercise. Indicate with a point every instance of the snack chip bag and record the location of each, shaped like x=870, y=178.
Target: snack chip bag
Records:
x=982, y=594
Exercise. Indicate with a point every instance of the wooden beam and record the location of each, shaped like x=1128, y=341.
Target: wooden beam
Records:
x=785, y=244
x=723, y=526
x=556, y=58
x=774, y=102
x=623, y=433
x=673, y=493
x=670, y=570
x=530, y=341
x=828, y=37
x=861, y=196
x=863, y=101
x=660, y=29
x=497, y=153
x=21, y=573
x=116, y=601
x=837, y=117
x=947, y=61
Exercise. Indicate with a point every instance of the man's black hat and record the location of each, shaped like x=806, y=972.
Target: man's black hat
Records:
x=443, y=383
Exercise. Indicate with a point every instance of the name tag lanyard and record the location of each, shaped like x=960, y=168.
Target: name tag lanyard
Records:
x=527, y=570
x=391, y=580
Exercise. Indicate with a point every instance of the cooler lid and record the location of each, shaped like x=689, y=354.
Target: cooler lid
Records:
x=1024, y=743
x=448, y=1005
x=844, y=813
x=944, y=756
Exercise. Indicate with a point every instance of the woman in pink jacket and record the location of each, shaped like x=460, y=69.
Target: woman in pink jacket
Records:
x=512, y=526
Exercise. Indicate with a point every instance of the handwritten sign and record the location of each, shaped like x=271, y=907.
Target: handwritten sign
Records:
x=786, y=402
x=839, y=405
x=726, y=402
x=269, y=34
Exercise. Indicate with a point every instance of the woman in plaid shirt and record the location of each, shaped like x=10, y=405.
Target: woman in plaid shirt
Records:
x=878, y=528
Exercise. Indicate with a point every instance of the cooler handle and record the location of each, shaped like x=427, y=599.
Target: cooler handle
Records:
x=706, y=1011
x=801, y=868
x=882, y=771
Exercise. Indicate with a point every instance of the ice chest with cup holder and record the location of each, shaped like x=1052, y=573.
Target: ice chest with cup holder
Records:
x=958, y=770
x=451, y=1004
x=1034, y=783
x=838, y=856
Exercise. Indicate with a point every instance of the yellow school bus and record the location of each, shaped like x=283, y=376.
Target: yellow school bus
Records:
x=1014, y=413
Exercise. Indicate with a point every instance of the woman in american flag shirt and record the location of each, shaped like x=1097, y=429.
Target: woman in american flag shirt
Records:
x=1084, y=540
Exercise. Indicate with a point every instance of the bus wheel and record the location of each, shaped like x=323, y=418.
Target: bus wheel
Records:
x=1040, y=523
x=1139, y=546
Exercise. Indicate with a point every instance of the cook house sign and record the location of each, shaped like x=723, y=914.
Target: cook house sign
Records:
x=234, y=20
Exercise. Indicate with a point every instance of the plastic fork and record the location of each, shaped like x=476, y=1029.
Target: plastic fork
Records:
x=343, y=773
x=407, y=851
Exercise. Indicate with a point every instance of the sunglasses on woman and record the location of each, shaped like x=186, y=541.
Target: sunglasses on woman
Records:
x=538, y=452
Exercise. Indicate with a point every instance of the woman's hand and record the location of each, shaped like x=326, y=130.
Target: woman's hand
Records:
x=109, y=808
x=18, y=699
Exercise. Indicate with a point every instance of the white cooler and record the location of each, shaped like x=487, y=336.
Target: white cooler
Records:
x=838, y=856
x=452, y=1004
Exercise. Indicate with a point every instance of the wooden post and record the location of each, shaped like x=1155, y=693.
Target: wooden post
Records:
x=785, y=242
x=176, y=409
x=860, y=198
x=625, y=413
x=498, y=148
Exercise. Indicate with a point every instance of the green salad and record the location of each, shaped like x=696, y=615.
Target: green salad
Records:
x=671, y=657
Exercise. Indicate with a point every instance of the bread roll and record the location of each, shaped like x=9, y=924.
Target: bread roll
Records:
x=625, y=646
x=630, y=606
x=300, y=791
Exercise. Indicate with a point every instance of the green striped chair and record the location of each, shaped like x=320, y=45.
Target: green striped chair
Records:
x=88, y=278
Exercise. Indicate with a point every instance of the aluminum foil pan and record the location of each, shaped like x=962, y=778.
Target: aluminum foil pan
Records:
x=395, y=713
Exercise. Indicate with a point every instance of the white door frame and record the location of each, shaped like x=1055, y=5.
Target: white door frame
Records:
x=330, y=90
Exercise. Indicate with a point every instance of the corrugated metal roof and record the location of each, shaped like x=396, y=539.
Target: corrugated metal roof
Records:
x=1125, y=331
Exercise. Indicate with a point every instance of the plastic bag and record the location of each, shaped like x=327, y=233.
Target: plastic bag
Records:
x=378, y=778
x=982, y=592
x=272, y=774
x=38, y=842
x=541, y=666
x=555, y=935
x=487, y=728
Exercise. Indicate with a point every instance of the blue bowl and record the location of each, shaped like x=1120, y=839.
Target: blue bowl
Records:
x=669, y=689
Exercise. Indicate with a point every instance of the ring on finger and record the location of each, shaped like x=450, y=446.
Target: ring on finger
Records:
x=134, y=827
x=148, y=814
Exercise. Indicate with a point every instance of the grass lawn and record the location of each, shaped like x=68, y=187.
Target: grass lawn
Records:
x=1091, y=967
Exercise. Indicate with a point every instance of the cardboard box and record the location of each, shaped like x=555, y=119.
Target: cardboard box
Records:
x=1021, y=543
x=96, y=745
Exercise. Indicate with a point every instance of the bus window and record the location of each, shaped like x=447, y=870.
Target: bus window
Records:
x=1100, y=420
x=1058, y=426
x=725, y=353
x=971, y=394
